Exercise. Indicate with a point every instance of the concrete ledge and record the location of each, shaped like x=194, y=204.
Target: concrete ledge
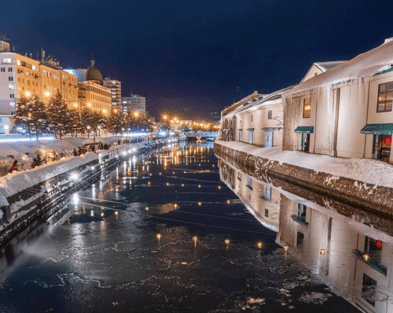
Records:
x=368, y=197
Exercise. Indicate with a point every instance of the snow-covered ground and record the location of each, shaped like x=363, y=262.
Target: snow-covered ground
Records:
x=66, y=145
x=364, y=170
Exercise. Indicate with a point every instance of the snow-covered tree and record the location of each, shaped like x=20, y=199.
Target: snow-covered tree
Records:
x=76, y=122
x=59, y=115
x=21, y=115
x=114, y=123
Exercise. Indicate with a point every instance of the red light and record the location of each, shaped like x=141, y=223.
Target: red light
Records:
x=388, y=140
x=379, y=244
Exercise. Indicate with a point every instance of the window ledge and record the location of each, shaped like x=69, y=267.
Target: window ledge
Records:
x=374, y=264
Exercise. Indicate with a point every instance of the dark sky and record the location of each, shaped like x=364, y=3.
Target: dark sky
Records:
x=193, y=54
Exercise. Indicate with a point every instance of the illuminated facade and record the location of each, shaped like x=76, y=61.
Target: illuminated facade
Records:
x=115, y=87
x=92, y=92
x=134, y=103
x=23, y=75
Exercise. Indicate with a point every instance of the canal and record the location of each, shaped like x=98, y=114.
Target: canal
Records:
x=177, y=230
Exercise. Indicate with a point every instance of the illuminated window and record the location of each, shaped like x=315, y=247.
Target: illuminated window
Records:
x=307, y=108
x=18, y=62
x=385, y=97
x=6, y=61
x=11, y=87
x=33, y=67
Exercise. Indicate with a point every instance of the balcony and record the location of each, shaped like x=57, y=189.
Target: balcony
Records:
x=373, y=263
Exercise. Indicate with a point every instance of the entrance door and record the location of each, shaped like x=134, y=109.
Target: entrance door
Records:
x=305, y=142
x=269, y=139
x=382, y=147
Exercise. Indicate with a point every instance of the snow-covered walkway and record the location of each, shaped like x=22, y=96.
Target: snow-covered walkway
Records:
x=364, y=170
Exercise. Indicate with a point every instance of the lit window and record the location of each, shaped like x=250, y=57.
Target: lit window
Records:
x=33, y=67
x=18, y=62
x=307, y=108
x=385, y=97
x=11, y=87
x=12, y=104
x=6, y=61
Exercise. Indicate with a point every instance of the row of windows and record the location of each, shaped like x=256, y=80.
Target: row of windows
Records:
x=384, y=104
x=3, y=69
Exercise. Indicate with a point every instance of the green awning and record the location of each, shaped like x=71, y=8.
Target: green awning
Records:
x=304, y=129
x=378, y=129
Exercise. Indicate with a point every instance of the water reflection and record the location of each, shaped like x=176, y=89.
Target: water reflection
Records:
x=355, y=258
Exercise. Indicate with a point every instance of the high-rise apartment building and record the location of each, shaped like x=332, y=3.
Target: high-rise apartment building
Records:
x=24, y=75
x=115, y=87
x=135, y=103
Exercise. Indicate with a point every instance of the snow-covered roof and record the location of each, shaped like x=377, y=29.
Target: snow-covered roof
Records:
x=325, y=66
x=272, y=98
x=363, y=65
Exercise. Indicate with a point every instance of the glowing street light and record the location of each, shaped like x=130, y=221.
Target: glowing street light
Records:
x=227, y=241
x=136, y=114
x=28, y=93
x=259, y=245
x=164, y=117
x=75, y=105
x=89, y=104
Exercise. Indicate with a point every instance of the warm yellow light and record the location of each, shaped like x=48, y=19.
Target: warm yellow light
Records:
x=75, y=105
x=159, y=236
x=228, y=201
x=47, y=93
x=136, y=114
x=165, y=117
x=285, y=248
x=89, y=104
x=146, y=208
x=29, y=114
x=227, y=241
x=102, y=214
x=219, y=187
x=175, y=205
x=167, y=184
x=199, y=203
x=159, y=173
x=199, y=186
x=259, y=245
x=366, y=257
x=182, y=185
x=28, y=93
x=115, y=110
x=104, y=110
x=322, y=252
x=116, y=213
x=195, y=239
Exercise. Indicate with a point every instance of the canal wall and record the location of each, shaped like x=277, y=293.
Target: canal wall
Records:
x=369, y=197
x=26, y=197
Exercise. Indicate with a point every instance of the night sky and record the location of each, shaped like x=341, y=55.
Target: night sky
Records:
x=190, y=56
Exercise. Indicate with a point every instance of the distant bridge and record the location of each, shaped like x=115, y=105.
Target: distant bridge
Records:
x=201, y=135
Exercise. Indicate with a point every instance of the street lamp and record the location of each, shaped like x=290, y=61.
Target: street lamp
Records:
x=75, y=105
x=165, y=117
x=89, y=104
x=136, y=114
x=28, y=93
x=47, y=93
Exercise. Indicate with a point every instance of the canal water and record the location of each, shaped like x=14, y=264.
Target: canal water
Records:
x=177, y=230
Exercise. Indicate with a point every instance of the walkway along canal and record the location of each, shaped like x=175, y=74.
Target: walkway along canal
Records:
x=162, y=233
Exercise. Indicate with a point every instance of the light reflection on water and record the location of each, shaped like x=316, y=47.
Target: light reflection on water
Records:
x=211, y=255
x=354, y=258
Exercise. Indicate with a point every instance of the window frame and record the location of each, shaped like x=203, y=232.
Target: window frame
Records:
x=305, y=100
x=269, y=114
x=384, y=101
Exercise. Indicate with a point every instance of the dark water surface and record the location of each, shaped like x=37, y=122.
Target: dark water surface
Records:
x=158, y=234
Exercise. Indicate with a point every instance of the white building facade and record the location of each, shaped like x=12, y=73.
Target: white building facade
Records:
x=135, y=103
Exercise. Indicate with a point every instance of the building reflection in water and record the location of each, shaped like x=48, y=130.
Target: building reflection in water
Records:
x=352, y=257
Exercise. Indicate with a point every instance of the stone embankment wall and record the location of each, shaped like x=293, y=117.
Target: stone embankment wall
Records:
x=375, y=199
x=39, y=201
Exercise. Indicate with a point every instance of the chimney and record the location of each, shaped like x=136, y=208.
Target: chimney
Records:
x=42, y=54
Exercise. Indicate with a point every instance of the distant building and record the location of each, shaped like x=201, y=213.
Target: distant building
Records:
x=134, y=103
x=115, y=87
x=92, y=92
x=23, y=75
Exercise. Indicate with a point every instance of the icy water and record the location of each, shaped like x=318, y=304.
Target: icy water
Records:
x=167, y=232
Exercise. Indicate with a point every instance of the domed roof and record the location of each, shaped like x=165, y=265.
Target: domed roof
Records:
x=94, y=74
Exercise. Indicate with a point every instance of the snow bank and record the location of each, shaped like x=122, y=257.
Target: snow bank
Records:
x=18, y=181
x=364, y=170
